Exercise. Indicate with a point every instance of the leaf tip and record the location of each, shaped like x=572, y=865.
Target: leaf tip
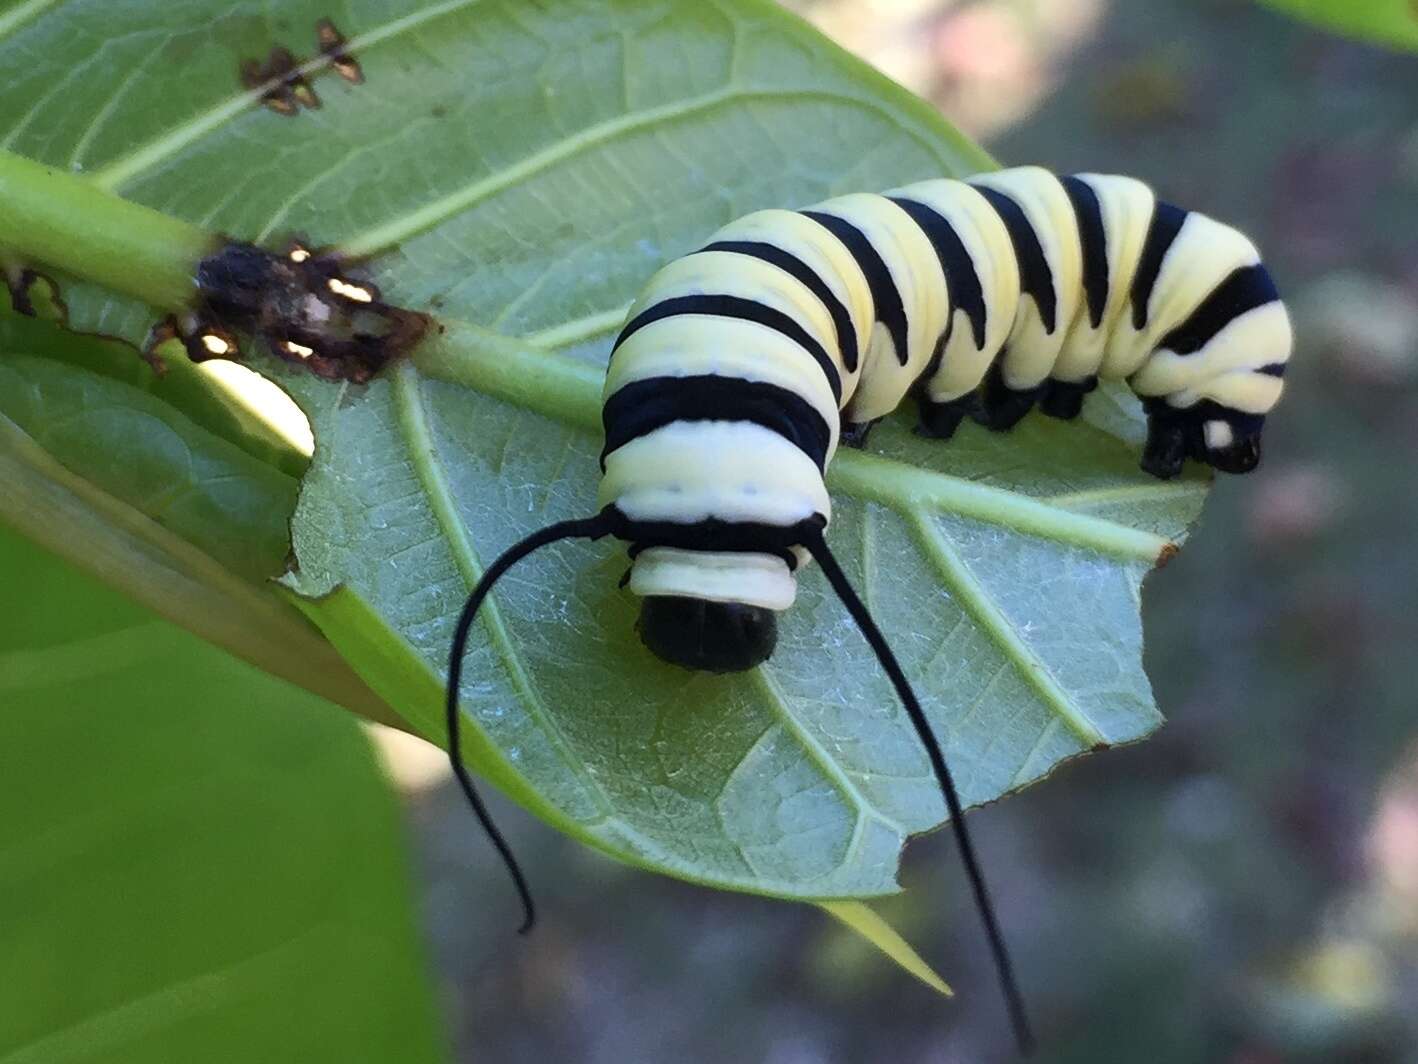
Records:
x=870, y=925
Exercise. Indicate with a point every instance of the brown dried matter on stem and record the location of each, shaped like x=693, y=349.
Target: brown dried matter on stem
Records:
x=285, y=89
x=302, y=303
x=24, y=283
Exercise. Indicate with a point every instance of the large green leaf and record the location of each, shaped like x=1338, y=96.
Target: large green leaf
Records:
x=1391, y=22
x=200, y=862
x=519, y=169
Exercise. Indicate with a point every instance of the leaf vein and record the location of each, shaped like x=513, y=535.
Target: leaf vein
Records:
x=834, y=772
x=398, y=229
x=956, y=575
x=578, y=329
x=22, y=13
x=413, y=425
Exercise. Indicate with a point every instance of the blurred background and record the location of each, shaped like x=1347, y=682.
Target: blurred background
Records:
x=1242, y=888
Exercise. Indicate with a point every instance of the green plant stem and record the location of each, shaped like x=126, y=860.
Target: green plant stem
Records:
x=62, y=220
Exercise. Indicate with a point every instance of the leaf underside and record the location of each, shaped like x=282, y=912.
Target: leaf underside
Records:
x=519, y=169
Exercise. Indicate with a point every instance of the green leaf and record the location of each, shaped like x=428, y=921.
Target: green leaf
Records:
x=525, y=167
x=197, y=857
x=868, y=923
x=1390, y=22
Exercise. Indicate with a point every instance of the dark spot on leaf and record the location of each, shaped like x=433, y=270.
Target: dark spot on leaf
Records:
x=203, y=340
x=284, y=88
x=332, y=44
x=17, y=281
x=439, y=111
x=281, y=79
x=305, y=304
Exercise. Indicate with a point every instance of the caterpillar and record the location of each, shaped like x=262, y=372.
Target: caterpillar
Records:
x=743, y=365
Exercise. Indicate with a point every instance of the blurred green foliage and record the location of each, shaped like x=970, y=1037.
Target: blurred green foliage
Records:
x=197, y=862
x=1391, y=22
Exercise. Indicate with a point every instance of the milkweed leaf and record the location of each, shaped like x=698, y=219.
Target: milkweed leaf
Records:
x=518, y=170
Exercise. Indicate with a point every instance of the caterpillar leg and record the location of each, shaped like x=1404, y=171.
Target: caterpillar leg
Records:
x=1225, y=439
x=1064, y=399
x=1002, y=407
x=940, y=420
x=855, y=435
x=1167, y=446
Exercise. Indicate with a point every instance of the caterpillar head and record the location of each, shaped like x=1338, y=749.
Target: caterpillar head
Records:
x=711, y=611
x=707, y=636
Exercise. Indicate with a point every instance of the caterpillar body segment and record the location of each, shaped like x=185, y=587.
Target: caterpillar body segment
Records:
x=981, y=276
x=1114, y=216
x=1045, y=233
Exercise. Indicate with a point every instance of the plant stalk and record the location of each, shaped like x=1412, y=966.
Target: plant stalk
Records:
x=62, y=220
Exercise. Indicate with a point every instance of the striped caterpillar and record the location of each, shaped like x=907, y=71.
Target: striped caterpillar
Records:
x=744, y=364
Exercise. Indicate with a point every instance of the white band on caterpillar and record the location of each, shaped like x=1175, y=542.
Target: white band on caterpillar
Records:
x=715, y=576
